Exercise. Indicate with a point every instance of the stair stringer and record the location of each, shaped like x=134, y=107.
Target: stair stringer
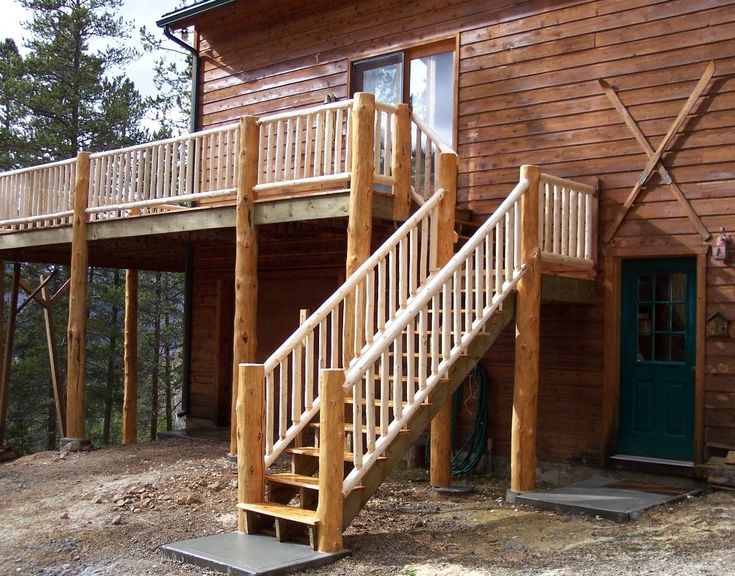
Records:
x=458, y=371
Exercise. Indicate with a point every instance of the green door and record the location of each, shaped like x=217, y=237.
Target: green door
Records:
x=657, y=359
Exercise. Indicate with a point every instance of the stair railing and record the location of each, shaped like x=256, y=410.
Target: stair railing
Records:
x=380, y=287
x=435, y=328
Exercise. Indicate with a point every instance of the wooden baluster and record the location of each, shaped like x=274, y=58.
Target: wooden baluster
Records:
x=282, y=398
x=309, y=368
x=270, y=414
x=370, y=408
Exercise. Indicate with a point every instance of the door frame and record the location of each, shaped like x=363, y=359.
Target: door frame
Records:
x=612, y=288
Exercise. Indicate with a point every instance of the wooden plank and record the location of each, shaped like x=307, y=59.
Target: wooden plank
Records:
x=330, y=509
x=130, y=359
x=526, y=374
x=245, y=342
x=300, y=515
x=291, y=479
x=52, y=356
x=77, y=329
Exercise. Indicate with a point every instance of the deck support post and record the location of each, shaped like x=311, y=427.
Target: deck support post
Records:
x=8, y=350
x=77, y=327
x=402, y=162
x=441, y=425
x=330, y=509
x=246, y=262
x=527, y=344
x=130, y=356
x=250, y=436
x=52, y=356
x=360, y=217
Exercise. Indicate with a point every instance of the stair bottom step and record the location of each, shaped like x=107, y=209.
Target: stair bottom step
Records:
x=282, y=516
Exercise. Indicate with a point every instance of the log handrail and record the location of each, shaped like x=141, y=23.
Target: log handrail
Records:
x=382, y=285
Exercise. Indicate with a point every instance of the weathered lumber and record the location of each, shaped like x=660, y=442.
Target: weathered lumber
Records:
x=77, y=327
x=130, y=359
x=246, y=262
x=52, y=357
x=441, y=425
x=330, y=510
x=526, y=375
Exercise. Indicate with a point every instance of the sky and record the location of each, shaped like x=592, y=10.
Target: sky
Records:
x=141, y=12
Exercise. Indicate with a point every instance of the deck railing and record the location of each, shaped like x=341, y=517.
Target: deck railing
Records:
x=164, y=174
x=567, y=221
x=426, y=145
x=37, y=197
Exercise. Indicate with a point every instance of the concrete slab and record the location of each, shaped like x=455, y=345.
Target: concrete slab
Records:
x=248, y=554
x=620, y=501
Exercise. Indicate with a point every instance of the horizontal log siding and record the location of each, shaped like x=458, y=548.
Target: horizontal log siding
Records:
x=528, y=93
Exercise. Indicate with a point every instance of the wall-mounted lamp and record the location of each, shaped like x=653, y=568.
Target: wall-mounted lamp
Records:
x=721, y=250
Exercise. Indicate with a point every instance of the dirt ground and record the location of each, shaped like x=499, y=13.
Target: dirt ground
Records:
x=107, y=512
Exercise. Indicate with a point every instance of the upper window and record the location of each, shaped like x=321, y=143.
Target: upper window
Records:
x=422, y=77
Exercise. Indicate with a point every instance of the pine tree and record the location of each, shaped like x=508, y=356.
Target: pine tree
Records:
x=70, y=96
x=14, y=114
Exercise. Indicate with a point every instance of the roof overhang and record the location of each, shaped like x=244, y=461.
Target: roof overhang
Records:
x=183, y=16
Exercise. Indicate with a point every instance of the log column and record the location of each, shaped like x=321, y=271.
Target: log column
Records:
x=250, y=435
x=360, y=217
x=528, y=333
x=330, y=509
x=130, y=395
x=441, y=425
x=77, y=327
x=402, y=162
x=246, y=263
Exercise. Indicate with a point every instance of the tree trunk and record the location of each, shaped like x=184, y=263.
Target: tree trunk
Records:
x=51, y=443
x=156, y=358
x=111, y=357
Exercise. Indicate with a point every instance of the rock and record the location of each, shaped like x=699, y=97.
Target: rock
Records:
x=120, y=503
x=65, y=516
x=98, y=500
x=117, y=520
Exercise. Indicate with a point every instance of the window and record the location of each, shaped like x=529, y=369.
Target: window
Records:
x=422, y=77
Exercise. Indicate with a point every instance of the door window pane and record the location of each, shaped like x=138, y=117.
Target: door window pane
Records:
x=662, y=287
x=382, y=76
x=661, y=348
x=678, y=287
x=645, y=293
x=432, y=92
x=678, y=351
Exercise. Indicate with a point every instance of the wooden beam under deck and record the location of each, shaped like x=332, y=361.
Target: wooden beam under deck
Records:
x=156, y=241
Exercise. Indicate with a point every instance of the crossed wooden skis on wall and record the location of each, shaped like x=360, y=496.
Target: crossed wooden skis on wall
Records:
x=41, y=296
x=655, y=156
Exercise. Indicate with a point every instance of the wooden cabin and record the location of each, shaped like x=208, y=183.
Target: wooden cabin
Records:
x=362, y=161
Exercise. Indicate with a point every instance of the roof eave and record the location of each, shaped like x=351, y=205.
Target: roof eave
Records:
x=184, y=16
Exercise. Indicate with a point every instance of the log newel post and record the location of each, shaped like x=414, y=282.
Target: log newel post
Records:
x=527, y=344
x=360, y=219
x=250, y=436
x=246, y=262
x=330, y=509
x=130, y=359
x=402, y=162
x=441, y=425
x=77, y=327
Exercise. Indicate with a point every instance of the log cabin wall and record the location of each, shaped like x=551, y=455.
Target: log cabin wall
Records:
x=528, y=93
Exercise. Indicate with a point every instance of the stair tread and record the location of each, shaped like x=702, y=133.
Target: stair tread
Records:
x=298, y=480
x=283, y=512
x=314, y=451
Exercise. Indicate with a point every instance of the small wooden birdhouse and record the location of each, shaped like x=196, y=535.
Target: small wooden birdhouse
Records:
x=718, y=326
x=721, y=249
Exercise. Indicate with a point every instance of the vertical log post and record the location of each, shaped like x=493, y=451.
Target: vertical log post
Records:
x=441, y=425
x=130, y=359
x=52, y=357
x=246, y=263
x=402, y=162
x=330, y=509
x=528, y=310
x=360, y=217
x=77, y=327
x=8, y=352
x=250, y=435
